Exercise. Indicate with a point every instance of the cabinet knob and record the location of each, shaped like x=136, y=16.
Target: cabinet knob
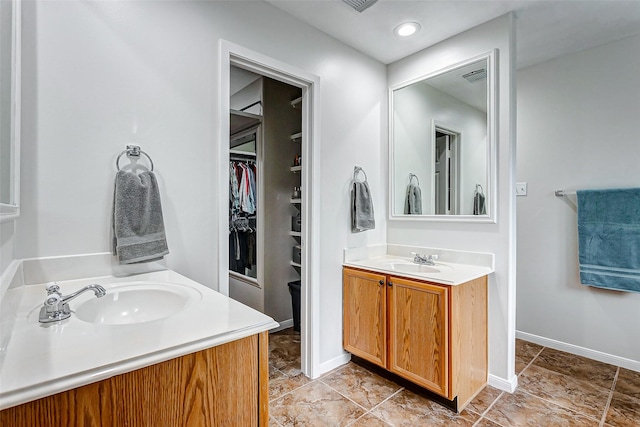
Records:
x=381, y=282
x=390, y=283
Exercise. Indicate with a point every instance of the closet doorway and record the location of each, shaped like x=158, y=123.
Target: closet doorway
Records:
x=265, y=203
x=267, y=254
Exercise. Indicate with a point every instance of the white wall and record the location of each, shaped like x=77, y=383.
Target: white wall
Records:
x=578, y=128
x=100, y=75
x=497, y=238
x=414, y=107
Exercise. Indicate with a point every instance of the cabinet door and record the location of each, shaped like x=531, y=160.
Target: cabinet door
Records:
x=419, y=333
x=365, y=315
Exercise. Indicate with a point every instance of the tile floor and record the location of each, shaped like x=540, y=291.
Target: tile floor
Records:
x=555, y=389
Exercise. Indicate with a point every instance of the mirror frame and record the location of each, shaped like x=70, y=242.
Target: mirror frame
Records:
x=11, y=211
x=491, y=188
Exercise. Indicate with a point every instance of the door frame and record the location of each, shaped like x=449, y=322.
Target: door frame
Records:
x=456, y=154
x=233, y=54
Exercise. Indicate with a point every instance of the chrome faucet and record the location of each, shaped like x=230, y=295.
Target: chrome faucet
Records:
x=424, y=259
x=56, y=306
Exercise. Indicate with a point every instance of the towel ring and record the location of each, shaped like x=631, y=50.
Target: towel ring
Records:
x=133, y=151
x=357, y=169
x=413, y=175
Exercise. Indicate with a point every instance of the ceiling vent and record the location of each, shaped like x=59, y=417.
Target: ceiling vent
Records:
x=360, y=5
x=475, y=76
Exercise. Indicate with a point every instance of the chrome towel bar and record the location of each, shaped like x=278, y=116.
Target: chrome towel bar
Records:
x=562, y=193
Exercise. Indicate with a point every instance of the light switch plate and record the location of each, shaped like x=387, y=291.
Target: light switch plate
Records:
x=521, y=188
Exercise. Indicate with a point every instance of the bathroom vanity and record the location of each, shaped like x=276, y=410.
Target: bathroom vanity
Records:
x=424, y=323
x=187, y=356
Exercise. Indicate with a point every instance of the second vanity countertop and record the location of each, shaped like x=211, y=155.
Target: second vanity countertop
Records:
x=451, y=268
x=44, y=359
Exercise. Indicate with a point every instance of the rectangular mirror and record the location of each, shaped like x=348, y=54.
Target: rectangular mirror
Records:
x=9, y=109
x=442, y=148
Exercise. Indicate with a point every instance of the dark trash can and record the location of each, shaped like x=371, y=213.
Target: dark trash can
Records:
x=294, y=289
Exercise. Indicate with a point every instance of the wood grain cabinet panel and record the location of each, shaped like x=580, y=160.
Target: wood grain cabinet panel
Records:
x=220, y=386
x=365, y=315
x=419, y=333
x=431, y=334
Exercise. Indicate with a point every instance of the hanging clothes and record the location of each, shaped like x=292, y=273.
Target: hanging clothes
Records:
x=242, y=215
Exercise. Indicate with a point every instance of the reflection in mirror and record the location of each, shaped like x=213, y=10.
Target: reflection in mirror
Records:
x=9, y=108
x=441, y=150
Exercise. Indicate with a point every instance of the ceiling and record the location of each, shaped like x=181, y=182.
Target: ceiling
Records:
x=545, y=29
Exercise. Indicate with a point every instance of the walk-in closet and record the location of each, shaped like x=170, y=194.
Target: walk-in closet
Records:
x=265, y=199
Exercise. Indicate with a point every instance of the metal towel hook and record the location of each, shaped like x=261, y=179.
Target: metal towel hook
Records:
x=356, y=170
x=413, y=175
x=133, y=151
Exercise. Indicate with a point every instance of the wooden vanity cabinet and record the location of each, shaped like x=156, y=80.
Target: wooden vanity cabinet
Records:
x=226, y=385
x=431, y=334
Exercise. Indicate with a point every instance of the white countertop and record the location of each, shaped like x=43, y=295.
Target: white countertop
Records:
x=44, y=359
x=452, y=267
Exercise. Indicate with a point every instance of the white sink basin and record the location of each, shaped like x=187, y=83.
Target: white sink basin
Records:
x=413, y=268
x=133, y=303
x=410, y=267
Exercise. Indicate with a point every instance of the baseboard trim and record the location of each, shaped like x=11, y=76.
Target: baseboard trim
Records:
x=503, y=384
x=334, y=363
x=633, y=365
x=285, y=324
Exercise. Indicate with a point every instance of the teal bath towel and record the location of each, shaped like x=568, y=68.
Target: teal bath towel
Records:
x=609, y=238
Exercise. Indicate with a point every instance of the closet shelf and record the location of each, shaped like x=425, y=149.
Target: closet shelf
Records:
x=240, y=121
x=295, y=264
x=296, y=168
x=242, y=153
x=296, y=201
x=297, y=103
x=295, y=233
x=296, y=137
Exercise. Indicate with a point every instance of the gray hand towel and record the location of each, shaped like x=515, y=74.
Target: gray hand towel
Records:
x=479, y=207
x=362, y=217
x=138, y=226
x=413, y=202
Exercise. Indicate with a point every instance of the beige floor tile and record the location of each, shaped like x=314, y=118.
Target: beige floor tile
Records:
x=284, y=350
x=486, y=423
x=314, y=404
x=526, y=350
x=291, y=369
x=566, y=391
x=484, y=399
x=273, y=422
x=558, y=389
x=360, y=385
x=628, y=383
x=368, y=420
x=409, y=409
x=522, y=409
x=520, y=365
x=624, y=411
x=281, y=384
x=579, y=367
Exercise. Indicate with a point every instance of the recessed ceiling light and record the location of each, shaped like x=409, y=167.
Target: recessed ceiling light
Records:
x=407, y=29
